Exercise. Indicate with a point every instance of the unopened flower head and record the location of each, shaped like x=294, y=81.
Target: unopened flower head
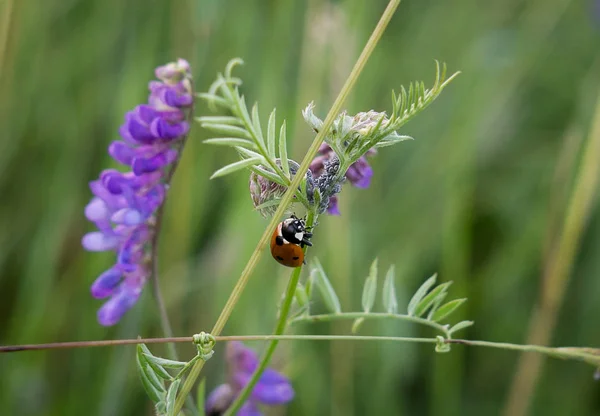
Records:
x=124, y=203
x=266, y=193
x=272, y=388
x=324, y=168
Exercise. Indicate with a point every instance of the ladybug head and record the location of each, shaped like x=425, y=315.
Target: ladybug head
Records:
x=294, y=230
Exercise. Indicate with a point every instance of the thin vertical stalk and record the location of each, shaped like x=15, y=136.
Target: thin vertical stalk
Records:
x=279, y=329
x=287, y=197
x=557, y=271
x=4, y=31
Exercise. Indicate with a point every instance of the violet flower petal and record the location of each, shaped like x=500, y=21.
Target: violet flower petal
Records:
x=106, y=283
x=98, y=241
x=111, y=312
x=249, y=409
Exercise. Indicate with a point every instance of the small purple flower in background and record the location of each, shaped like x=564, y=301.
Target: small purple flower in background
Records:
x=125, y=203
x=272, y=388
x=358, y=174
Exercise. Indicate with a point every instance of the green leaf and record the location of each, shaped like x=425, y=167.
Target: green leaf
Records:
x=249, y=154
x=256, y=123
x=329, y=296
x=171, y=397
x=227, y=120
x=234, y=167
x=271, y=135
x=231, y=141
x=392, y=139
x=436, y=304
x=285, y=166
x=370, y=288
x=214, y=100
x=390, y=303
x=446, y=309
x=420, y=293
x=430, y=298
x=163, y=362
x=200, y=397
x=232, y=64
x=300, y=295
x=460, y=325
x=228, y=130
x=152, y=384
x=357, y=324
x=259, y=170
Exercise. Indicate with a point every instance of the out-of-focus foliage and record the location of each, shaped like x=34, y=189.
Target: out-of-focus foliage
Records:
x=478, y=197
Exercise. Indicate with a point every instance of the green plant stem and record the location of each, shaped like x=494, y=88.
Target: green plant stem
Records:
x=287, y=197
x=279, y=329
x=363, y=315
x=588, y=355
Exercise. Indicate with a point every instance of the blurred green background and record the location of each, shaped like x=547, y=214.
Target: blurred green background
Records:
x=480, y=196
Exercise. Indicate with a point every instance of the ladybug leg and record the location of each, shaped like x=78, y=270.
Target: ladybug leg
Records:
x=305, y=242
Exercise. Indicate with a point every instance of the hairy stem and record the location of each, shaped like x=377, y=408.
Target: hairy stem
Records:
x=588, y=355
x=287, y=197
x=363, y=315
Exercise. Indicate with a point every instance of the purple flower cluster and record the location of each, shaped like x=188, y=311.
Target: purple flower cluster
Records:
x=358, y=174
x=124, y=203
x=272, y=388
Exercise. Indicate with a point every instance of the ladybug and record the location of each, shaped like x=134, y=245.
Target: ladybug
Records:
x=288, y=240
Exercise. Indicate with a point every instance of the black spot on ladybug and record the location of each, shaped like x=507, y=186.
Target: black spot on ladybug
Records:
x=279, y=240
x=279, y=258
x=296, y=258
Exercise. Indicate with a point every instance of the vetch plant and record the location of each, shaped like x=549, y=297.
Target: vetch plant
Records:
x=127, y=210
x=125, y=204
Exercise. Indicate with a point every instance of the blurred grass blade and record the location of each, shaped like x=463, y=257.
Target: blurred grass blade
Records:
x=271, y=138
x=234, y=167
x=171, y=396
x=370, y=288
x=329, y=296
x=446, y=309
x=283, y=151
x=420, y=293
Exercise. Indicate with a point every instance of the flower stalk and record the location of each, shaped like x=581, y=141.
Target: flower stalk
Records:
x=287, y=197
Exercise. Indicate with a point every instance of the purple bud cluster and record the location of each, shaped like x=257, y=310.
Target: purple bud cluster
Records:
x=358, y=174
x=272, y=388
x=124, y=204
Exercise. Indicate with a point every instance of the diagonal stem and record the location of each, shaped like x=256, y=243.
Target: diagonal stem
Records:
x=287, y=197
x=279, y=329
